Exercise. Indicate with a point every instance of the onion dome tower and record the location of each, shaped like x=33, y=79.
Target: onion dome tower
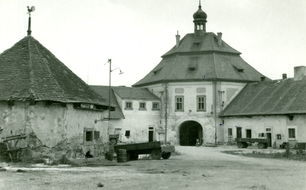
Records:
x=199, y=20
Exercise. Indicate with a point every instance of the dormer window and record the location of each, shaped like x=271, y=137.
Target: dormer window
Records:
x=238, y=68
x=193, y=64
x=156, y=71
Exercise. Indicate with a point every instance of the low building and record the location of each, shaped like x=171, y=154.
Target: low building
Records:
x=137, y=116
x=270, y=109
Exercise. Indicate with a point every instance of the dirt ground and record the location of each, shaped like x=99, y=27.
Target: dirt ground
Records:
x=194, y=168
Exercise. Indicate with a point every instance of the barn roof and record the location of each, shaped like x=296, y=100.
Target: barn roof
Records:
x=277, y=97
x=30, y=71
x=135, y=93
x=199, y=58
x=103, y=91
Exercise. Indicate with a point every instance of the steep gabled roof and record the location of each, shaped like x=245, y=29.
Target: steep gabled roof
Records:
x=277, y=97
x=103, y=91
x=198, y=58
x=130, y=93
x=29, y=71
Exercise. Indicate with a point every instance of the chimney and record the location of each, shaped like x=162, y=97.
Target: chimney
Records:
x=284, y=76
x=299, y=72
x=262, y=78
x=219, y=38
x=177, y=36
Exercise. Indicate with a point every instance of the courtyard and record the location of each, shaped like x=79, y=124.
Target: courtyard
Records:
x=190, y=168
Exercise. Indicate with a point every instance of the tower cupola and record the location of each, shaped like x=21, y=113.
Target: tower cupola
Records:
x=200, y=20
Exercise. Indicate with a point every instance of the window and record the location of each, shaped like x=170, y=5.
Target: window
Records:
x=96, y=135
x=230, y=132
x=248, y=133
x=128, y=105
x=201, y=103
x=89, y=136
x=142, y=106
x=155, y=106
x=261, y=135
x=291, y=133
x=127, y=133
x=179, y=103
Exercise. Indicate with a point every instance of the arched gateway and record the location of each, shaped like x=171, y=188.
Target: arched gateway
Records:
x=189, y=132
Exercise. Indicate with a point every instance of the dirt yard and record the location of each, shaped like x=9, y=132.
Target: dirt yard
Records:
x=194, y=168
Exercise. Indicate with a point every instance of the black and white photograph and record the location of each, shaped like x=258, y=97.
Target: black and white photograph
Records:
x=152, y=94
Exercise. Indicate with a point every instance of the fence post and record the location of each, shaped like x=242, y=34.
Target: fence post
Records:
x=287, y=150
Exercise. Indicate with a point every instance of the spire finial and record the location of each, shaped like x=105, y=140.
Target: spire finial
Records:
x=32, y=9
x=200, y=4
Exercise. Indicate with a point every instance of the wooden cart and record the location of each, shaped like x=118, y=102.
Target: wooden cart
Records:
x=11, y=148
x=155, y=149
x=244, y=142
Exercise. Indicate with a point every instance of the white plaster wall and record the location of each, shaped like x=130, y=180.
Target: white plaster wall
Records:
x=52, y=124
x=225, y=86
x=259, y=124
x=137, y=122
x=175, y=119
x=206, y=119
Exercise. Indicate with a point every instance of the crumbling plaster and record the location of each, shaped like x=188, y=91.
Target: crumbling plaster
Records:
x=52, y=124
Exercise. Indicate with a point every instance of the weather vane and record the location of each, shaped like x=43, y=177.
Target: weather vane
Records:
x=32, y=9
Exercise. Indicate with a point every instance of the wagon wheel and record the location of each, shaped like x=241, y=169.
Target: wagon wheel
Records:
x=166, y=155
x=155, y=154
x=265, y=146
x=239, y=145
x=261, y=145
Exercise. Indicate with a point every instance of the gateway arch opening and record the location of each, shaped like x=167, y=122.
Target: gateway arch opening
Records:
x=190, y=131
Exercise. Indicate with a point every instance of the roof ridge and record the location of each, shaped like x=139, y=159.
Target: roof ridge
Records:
x=31, y=69
x=49, y=71
x=173, y=63
x=214, y=62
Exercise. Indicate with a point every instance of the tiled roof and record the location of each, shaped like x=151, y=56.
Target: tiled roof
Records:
x=199, y=58
x=198, y=43
x=29, y=71
x=103, y=91
x=135, y=93
x=269, y=98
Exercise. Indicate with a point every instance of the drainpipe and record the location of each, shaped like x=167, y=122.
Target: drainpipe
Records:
x=166, y=112
x=215, y=108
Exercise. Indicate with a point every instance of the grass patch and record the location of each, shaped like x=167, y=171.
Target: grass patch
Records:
x=277, y=155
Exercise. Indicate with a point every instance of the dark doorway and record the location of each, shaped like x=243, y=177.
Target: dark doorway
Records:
x=248, y=133
x=270, y=139
x=238, y=132
x=151, y=134
x=190, y=131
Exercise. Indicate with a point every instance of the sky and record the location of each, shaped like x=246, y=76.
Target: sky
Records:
x=134, y=34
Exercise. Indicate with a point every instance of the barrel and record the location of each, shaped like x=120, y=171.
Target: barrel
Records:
x=121, y=156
